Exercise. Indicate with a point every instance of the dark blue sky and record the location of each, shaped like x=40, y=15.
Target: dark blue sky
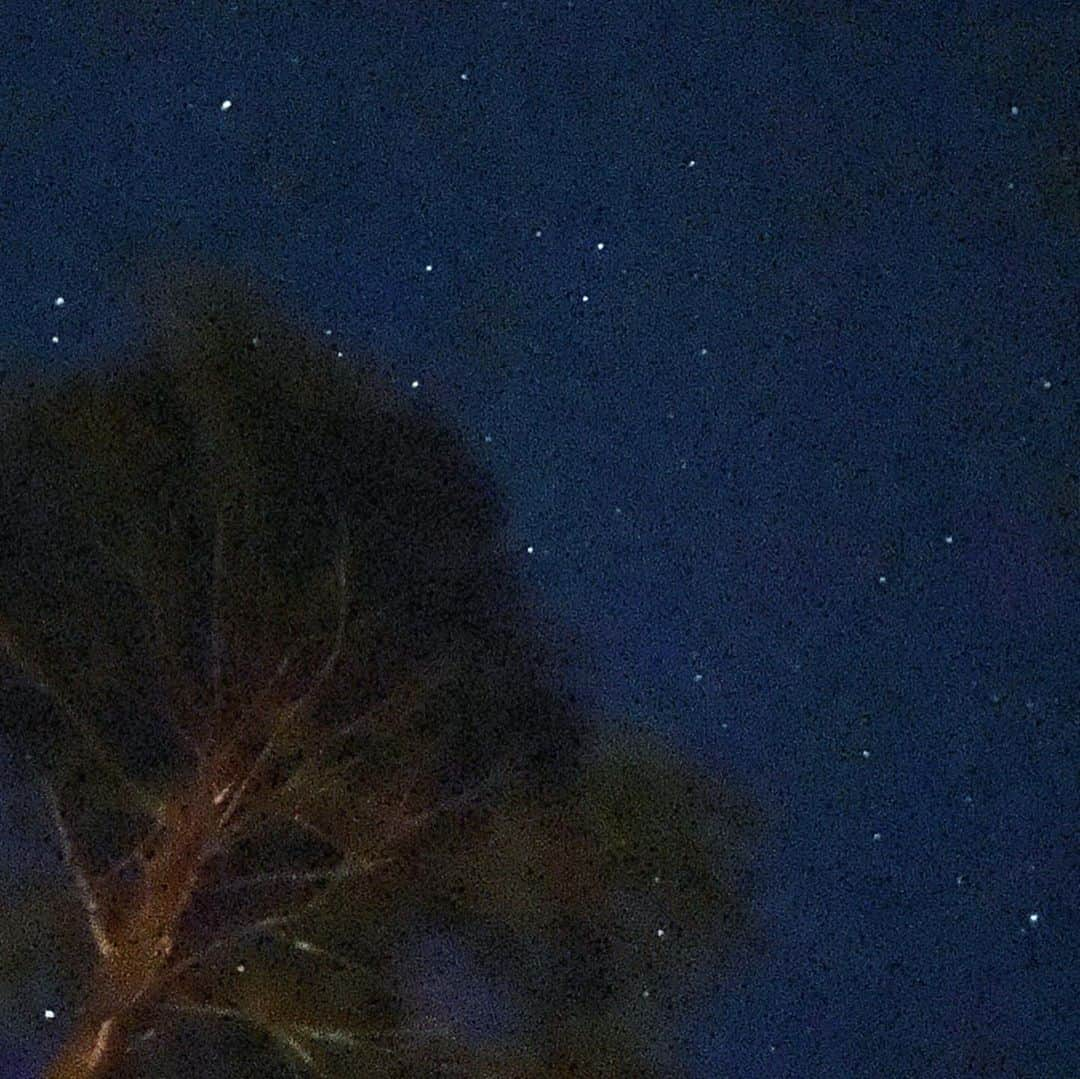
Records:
x=801, y=469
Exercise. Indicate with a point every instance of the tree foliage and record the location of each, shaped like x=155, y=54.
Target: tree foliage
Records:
x=291, y=718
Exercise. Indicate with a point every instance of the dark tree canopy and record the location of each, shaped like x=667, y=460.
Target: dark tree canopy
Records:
x=264, y=648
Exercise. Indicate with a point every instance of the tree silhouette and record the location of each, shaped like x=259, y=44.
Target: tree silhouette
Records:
x=290, y=716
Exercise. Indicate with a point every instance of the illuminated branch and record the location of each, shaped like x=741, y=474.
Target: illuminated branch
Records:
x=310, y=948
x=412, y=692
x=331, y=1035
x=303, y=876
x=206, y=1011
x=89, y=900
x=354, y=869
x=278, y=1033
x=296, y=1049
x=291, y=1033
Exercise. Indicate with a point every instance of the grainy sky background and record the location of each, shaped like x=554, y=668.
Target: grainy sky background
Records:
x=764, y=314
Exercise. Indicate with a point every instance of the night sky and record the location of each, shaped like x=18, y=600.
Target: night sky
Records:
x=764, y=317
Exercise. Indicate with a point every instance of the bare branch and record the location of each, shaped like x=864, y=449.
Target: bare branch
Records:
x=213, y=1011
x=286, y=1033
x=101, y=1044
x=284, y=665
x=89, y=900
x=232, y=936
x=341, y=567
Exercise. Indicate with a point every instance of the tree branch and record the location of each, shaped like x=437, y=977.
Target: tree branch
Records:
x=217, y=644
x=400, y=702
x=271, y=922
x=335, y=1036
x=213, y=1011
x=178, y=699
x=303, y=704
x=43, y=683
x=86, y=893
x=304, y=876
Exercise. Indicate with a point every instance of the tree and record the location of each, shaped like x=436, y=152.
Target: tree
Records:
x=267, y=657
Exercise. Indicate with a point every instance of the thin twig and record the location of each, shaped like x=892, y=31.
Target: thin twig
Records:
x=306, y=876
x=313, y=829
x=309, y=947
x=44, y=685
x=284, y=665
x=403, y=701
x=399, y=702
x=302, y=704
x=217, y=647
x=164, y=653
x=334, y=1036
x=321, y=1034
x=330, y=1035
x=207, y=1011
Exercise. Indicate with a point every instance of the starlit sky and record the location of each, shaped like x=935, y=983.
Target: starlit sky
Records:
x=764, y=316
